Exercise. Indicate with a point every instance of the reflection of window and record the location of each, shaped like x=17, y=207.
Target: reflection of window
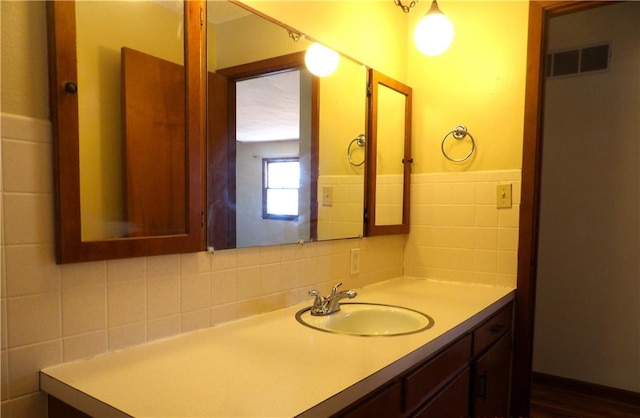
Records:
x=281, y=181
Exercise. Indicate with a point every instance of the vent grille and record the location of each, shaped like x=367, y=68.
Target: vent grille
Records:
x=578, y=61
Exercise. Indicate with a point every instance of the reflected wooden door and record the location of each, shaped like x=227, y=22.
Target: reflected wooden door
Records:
x=154, y=145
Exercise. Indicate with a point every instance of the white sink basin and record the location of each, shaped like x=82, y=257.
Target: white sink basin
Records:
x=368, y=319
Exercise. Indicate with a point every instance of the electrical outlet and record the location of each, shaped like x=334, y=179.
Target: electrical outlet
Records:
x=503, y=196
x=327, y=196
x=354, y=267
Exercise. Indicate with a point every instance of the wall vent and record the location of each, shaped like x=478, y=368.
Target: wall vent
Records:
x=578, y=61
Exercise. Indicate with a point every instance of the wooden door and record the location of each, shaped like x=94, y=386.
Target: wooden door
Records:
x=153, y=105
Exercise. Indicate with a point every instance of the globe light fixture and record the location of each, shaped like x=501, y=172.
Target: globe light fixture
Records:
x=320, y=60
x=434, y=32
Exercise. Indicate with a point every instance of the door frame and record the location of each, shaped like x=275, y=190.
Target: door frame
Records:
x=539, y=14
x=226, y=191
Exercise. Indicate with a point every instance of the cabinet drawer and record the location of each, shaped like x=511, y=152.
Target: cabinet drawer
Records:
x=492, y=329
x=423, y=382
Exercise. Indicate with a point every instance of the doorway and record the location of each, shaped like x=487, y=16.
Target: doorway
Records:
x=587, y=286
x=539, y=15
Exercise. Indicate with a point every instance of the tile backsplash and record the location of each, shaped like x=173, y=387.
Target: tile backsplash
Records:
x=458, y=234
x=58, y=313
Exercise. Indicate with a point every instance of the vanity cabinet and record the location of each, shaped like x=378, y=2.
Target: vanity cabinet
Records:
x=492, y=365
x=469, y=377
x=460, y=367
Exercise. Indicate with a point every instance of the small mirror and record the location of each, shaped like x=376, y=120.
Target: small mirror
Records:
x=389, y=156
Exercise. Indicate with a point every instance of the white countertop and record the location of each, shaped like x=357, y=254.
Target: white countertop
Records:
x=269, y=365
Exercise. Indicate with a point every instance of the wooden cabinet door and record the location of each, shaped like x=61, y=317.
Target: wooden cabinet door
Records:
x=490, y=390
x=385, y=403
x=154, y=145
x=452, y=402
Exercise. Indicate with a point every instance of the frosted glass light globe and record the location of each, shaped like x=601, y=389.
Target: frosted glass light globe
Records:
x=433, y=34
x=320, y=60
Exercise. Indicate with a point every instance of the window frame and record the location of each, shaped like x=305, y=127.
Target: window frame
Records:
x=265, y=164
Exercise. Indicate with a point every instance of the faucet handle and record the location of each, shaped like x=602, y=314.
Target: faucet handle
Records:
x=318, y=298
x=335, y=288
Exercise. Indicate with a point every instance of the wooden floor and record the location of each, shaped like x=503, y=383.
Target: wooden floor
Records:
x=549, y=400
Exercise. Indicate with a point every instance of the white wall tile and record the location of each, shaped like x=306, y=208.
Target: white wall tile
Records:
x=33, y=319
x=84, y=298
x=27, y=166
x=163, y=297
x=127, y=336
x=28, y=218
x=31, y=269
x=224, y=287
x=84, y=345
x=25, y=362
x=168, y=326
x=195, y=292
x=126, y=302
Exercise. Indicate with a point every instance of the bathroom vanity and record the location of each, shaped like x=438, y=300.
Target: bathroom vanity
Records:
x=271, y=365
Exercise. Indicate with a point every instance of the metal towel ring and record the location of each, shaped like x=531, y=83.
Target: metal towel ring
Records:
x=459, y=132
x=360, y=140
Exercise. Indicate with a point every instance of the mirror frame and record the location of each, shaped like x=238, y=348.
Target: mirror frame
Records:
x=370, y=228
x=66, y=158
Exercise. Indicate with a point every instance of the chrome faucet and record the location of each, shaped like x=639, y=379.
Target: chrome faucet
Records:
x=325, y=305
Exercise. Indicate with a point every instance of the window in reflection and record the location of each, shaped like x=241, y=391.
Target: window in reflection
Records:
x=281, y=185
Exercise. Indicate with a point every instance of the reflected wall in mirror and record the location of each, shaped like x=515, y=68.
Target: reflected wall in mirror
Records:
x=127, y=109
x=131, y=118
x=389, y=159
x=284, y=113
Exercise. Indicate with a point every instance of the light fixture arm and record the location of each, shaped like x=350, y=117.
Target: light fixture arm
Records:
x=405, y=7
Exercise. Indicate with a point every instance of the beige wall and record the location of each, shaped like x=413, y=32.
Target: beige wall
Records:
x=99, y=109
x=478, y=82
x=588, y=289
x=52, y=313
x=24, y=76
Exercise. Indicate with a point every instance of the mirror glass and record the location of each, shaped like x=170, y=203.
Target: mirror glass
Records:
x=389, y=156
x=278, y=168
x=131, y=111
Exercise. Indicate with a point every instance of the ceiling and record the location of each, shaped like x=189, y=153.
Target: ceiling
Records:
x=261, y=118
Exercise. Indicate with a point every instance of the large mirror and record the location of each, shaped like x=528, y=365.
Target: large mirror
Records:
x=139, y=113
x=127, y=100
x=278, y=165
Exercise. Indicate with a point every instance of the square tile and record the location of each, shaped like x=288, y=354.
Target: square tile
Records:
x=31, y=269
x=25, y=362
x=84, y=345
x=195, y=291
x=163, y=297
x=126, y=302
x=33, y=319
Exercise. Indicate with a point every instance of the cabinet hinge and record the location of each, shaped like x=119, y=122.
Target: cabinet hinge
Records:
x=202, y=219
x=201, y=18
x=365, y=216
x=369, y=89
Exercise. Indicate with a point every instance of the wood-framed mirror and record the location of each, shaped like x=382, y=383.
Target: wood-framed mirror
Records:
x=161, y=214
x=388, y=156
